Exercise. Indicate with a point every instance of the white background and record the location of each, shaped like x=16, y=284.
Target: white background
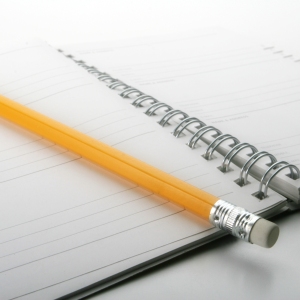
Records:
x=73, y=21
x=224, y=269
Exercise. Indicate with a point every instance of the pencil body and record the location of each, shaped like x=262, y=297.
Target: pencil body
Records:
x=152, y=179
x=234, y=220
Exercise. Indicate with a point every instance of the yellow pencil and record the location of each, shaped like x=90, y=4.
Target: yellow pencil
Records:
x=220, y=213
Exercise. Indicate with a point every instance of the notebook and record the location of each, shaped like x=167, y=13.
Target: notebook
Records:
x=68, y=227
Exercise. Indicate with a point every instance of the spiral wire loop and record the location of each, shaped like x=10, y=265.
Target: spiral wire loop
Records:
x=118, y=85
x=169, y=115
x=106, y=78
x=233, y=152
x=198, y=134
x=153, y=108
x=216, y=142
x=140, y=99
x=185, y=123
x=263, y=194
x=95, y=71
x=248, y=165
x=129, y=91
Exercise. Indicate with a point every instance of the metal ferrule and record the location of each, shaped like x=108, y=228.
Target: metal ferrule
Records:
x=233, y=219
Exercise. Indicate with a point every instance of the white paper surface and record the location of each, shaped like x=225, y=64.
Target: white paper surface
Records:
x=66, y=223
x=224, y=79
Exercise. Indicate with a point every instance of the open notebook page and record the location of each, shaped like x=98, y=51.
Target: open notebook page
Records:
x=65, y=223
x=223, y=79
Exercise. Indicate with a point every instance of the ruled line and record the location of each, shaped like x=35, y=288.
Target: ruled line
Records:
x=65, y=90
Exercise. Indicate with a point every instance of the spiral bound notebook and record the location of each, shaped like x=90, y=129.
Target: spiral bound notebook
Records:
x=68, y=227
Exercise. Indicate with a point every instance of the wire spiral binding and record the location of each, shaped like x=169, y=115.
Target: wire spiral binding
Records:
x=263, y=194
x=130, y=91
x=198, y=134
x=139, y=98
x=153, y=108
x=118, y=84
x=106, y=78
x=216, y=142
x=185, y=123
x=170, y=114
x=232, y=153
x=249, y=164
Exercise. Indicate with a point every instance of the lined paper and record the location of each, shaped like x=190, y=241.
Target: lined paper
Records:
x=225, y=80
x=65, y=223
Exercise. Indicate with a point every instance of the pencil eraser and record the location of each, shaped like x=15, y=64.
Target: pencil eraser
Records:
x=264, y=233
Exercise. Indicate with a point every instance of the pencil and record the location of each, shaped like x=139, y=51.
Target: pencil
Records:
x=221, y=214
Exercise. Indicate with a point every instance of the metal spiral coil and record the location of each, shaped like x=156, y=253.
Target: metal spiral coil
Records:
x=278, y=167
x=225, y=211
x=216, y=142
x=249, y=164
x=232, y=153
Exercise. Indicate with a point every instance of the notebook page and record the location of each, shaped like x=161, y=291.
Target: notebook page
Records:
x=223, y=79
x=66, y=223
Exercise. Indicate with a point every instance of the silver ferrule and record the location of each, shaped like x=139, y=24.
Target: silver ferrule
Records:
x=233, y=219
